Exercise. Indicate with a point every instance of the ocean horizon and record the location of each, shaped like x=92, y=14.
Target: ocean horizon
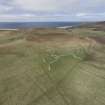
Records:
x=15, y=25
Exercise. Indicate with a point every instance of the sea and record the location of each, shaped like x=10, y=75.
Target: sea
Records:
x=15, y=25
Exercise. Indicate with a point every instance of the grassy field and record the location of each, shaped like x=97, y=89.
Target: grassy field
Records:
x=52, y=67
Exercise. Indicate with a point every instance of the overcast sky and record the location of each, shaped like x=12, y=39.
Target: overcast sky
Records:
x=52, y=10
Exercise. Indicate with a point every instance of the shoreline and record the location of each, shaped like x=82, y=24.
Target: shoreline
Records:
x=65, y=27
x=9, y=29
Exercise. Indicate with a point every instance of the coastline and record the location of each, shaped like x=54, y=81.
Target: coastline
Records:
x=8, y=29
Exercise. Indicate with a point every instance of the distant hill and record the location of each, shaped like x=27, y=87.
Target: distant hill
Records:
x=97, y=26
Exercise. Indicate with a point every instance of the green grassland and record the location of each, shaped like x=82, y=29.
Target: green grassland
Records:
x=52, y=67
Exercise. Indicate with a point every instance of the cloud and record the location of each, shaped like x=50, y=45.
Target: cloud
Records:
x=84, y=15
x=46, y=5
x=81, y=14
x=31, y=17
x=39, y=5
x=67, y=6
x=52, y=9
x=4, y=8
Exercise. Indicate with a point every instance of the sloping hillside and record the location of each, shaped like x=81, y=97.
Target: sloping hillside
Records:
x=52, y=67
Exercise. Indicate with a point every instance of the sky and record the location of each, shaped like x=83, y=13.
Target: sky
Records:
x=52, y=10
